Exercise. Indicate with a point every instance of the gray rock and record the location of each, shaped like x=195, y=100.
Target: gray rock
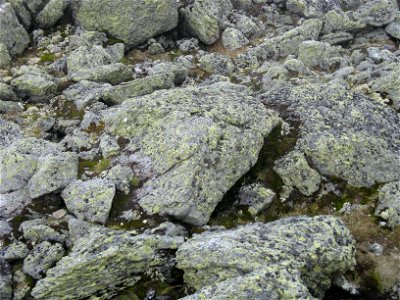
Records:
x=21, y=284
x=39, y=230
x=5, y=280
x=113, y=73
x=296, y=173
x=292, y=258
x=22, y=12
x=336, y=38
x=9, y=132
x=90, y=200
x=11, y=204
x=188, y=45
x=34, y=83
x=378, y=12
x=376, y=249
x=344, y=134
x=215, y=63
x=17, y=250
x=393, y=29
x=7, y=93
x=319, y=54
x=131, y=21
x=5, y=58
x=139, y=87
x=388, y=206
x=233, y=39
x=312, y=8
x=54, y=172
x=192, y=135
x=87, y=38
x=5, y=228
x=247, y=26
x=12, y=34
x=42, y=257
x=179, y=71
x=203, y=19
x=386, y=81
x=121, y=176
x=334, y=21
x=85, y=93
x=256, y=197
x=51, y=13
x=109, y=146
x=107, y=257
x=35, y=6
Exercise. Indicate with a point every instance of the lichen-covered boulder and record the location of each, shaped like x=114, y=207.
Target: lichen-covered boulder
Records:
x=132, y=21
x=233, y=39
x=102, y=260
x=12, y=203
x=7, y=93
x=312, y=8
x=387, y=81
x=42, y=257
x=39, y=230
x=12, y=34
x=344, y=134
x=377, y=12
x=5, y=58
x=85, y=93
x=199, y=140
x=51, y=13
x=6, y=289
x=34, y=83
x=203, y=18
x=215, y=63
x=319, y=54
x=14, y=251
x=90, y=200
x=256, y=197
x=22, y=12
x=9, y=132
x=393, y=29
x=294, y=258
x=388, y=207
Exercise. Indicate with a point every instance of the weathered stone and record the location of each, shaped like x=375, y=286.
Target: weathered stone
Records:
x=335, y=21
x=109, y=146
x=90, y=200
x=107, y=258
x=378, y=12
x=233, y=39
x=215, y=63
x=203, y=18
x=200, y=141
x=11, y=204
x=21, y=284
x=5, y=280
x=387, y=81
x=312, y=8
x=388, y=206
x=393, y=29
x=131, y=21
x=38, y=230
x=12, y=33
x=294, y=258
x=112, y=73
x=5, y=58
x=22, y=12
x=121, y=176
x=7, y=93
x=9, y=132
x=42, y=257
x=51, y=13
x=17, y=250
x=256, y=197
x=319, y=54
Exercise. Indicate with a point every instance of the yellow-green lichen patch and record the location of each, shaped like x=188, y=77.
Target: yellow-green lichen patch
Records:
x=47, y=58
x=96, y=166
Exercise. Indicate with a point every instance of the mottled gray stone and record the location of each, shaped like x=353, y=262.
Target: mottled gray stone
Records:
x=51, y=13
x=233, y=39
x=256, y=197
x=17, y=250
x=39, y=230
x=388, y=206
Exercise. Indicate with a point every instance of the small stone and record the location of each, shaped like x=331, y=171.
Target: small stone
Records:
x=233, y=39
x=59, y=214
x=256, y=197
x=376, y=249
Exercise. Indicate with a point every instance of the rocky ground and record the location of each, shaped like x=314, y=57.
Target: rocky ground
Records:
x=202, y=149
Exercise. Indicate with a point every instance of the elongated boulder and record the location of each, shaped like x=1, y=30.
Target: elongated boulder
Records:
x=12, y=34
x=102, y=260
x=199, y=140
x=294, y=258
x=132, y=21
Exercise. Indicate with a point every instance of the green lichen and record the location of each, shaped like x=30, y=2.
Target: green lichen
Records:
x=47, y=57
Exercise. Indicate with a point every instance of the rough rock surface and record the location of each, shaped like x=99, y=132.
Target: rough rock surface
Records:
x=51, y=13
x=388, y=206
x=90, y=200
x=131, y=21
x=12, y=34
x=108, y=258
x=5, y=280
x=256, y=197
x=193, y=134
x=287, y=259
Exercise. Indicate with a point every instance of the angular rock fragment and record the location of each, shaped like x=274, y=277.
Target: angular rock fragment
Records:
x=388, y=206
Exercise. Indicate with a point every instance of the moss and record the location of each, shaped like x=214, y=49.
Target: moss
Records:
x=96, y=166
x=135, y=181
x=47, y=57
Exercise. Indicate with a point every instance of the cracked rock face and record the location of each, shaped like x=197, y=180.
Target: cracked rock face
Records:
x=200, y=141
x=294, y=258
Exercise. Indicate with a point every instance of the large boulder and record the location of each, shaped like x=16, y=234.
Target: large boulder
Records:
x=199, y=140
x=344, y=134
x=294, y=258
x=102, y=260
x=12, y=34
x=132, y=21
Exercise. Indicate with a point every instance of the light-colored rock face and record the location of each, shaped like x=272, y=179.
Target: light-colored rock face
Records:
x=90, y=200
x=132, y=21
x=51, y=13
x=286, y=259
x=6, y=290
x=388, y=207
x=12, y=33
x=106, y=257
x=200, y=142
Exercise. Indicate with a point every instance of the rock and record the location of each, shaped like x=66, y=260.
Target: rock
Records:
x=179, y=71
x=90, y=200
x=109, y=146
x=5, y=58
x=387, y=81
x=34, y=83
x=312, y=8
x=107, y=257
x=17, y=250
x=215, y=63
x=21, y=284
x=85, y=93
x=378, y=12
x=319, y=54
x=344, y=134
x=87, y=38
x=35, y=6
x=376, y=249
x=11, y=204
x=22, y=12
x=393, y=29
x=336, y=38
x=335, y=21
x=139, y=87
x=39, y=230
x=7, y=93
x=233, y=39
x=256, y=197
x=292, y=258
x=296, y=173
x=121, y=176
x=190, y=135
x=51, y=13
x=5, y=278
x=54, y=172
x=388, y=207
x=156, y=48
x=188, y=45
x=203, y=19
x=113, y=73
x=9, y=132
x=12, y=33
x=5, y=228
x=247, y=26
x=133, y=22
x=42, y=257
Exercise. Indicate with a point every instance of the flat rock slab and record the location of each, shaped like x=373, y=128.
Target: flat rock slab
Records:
x=200, y=141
